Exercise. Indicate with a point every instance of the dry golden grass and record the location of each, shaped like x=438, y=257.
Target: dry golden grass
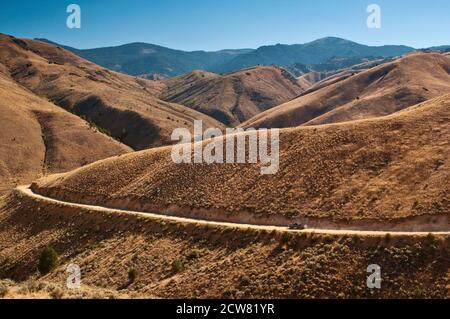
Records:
x=235, y=97
x=213, y=262
x=378, y=91
x=386, y=169
x=41, y=289
x=122, y=105
x=38, y=138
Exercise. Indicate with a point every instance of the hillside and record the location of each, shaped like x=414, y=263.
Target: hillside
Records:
x=179, y=260
x=122, y=106
x=379, y=91
x=380, y=173
x=235, y=97
x=39, y=138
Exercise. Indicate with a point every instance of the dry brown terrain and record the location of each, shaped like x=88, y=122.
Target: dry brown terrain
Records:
x=176, y=260
x=389, y=169
x=372, y=188
x=38, y=138
x=310, y=79
x=123, y=106
x=235, y=97
x=379, y=91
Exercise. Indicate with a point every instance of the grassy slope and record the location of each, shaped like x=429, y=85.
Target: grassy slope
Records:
x=385, y=168
x=37, y=137
x=211, y=262
x=235, y=97
x=378, y=91
x=122, y=105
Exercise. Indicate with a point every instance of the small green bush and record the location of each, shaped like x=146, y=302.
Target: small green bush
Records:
x=48, y=260
x=132, y=275
x=245, y=280
x=388, y=237
x=286, y=237
x=177, y=265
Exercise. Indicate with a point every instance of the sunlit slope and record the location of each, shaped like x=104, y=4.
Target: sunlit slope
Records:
x=379, y=91
x=37, y=137
x=390, y=167
x=123, y=106
x=236, y=97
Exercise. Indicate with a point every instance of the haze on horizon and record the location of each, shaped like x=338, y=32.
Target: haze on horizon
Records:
x=209, y=25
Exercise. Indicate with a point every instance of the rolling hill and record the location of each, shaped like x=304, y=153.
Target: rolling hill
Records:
x=377, y=172
x=124, y=107
x=39, y=138
x=379, y=91
x=181, y=260
x=235, y=97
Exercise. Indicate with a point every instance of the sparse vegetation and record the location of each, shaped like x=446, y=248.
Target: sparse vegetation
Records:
x=177, y=266
x=48, y=260
x=285, y=238
x=3, y=290
x=132, y=275
x=194, y=254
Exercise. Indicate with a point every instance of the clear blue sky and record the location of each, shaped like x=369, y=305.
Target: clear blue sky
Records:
x=220, y=24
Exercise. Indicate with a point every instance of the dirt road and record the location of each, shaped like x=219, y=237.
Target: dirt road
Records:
x=28, y=192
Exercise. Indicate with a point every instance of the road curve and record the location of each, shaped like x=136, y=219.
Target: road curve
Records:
x=25, y=190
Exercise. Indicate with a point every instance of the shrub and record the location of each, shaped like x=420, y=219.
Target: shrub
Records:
x=245, y=280
x=431, y=237
x=285, y=238
x=388, y=237
x=48, y=260
x=56, y=293
x=177, y=265
x=132, y=275
x=194, y=254
x=3, y=291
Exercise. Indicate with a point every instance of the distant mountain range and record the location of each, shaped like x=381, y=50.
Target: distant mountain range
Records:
x=145, y=59
x=142, y=59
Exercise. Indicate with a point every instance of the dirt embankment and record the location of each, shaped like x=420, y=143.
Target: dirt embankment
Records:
x=423, y=223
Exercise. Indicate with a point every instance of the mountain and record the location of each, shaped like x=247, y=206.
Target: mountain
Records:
x=378, y=91
x=149, y=60
x=378, y=171
x=122, y=106
x=39, y=138
x=235, y=97
x=315, y=52
x=145, y=59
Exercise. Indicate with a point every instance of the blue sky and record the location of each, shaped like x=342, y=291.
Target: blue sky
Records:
x=217, y=24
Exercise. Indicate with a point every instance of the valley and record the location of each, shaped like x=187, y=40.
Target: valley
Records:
x=87, y=169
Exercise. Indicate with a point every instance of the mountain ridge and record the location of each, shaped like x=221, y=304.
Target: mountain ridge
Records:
x=144, y=59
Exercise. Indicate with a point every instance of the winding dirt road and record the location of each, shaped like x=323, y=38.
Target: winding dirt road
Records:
x=28, y=192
